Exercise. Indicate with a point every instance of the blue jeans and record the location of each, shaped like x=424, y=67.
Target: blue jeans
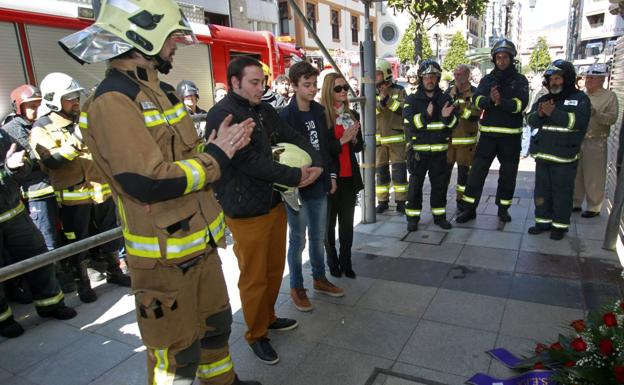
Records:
x=313, y=215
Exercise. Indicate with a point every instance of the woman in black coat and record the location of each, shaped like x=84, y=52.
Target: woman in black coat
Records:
x=344, y=128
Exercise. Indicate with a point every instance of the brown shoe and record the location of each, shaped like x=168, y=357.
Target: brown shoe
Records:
x=300, y=299
x=324, y=286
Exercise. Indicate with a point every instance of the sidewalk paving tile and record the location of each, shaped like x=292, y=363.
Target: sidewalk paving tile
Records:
x=416, y=271
x=479, y=281
x=17, y=380
x=428, y=374
x=542, y=264
x=123, y=329
x=488, y=258
x=391, y=229
x=521, y=347
x=81, y=362
x=446, y=252
x=600, y=270
x=109, y=305
x=487, y=238
x=599, y=294
x=448, y=348
x=543, y=244
x=36, y=345
x=537, y=321
x=590, y=248
x=372, y=332
x=398, y=298
x=316, y=324
x=330, y=365
x=132, y=371
x=291, y=357
x=547, y=290
x=433, y=235
x=378, y=245
x=466, y=309
x=591, y=231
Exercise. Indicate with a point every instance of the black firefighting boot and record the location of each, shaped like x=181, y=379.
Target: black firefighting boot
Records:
x=400, y=207
x=17, y=290
x=113, y=271
x=85, y=292
x=467, y=215
x=441, y=221
x=557, y=234
x=382, y=206
x=60, y=312
x=503, y=214
x=412, y=226
x=65, y=276
x=9, y=328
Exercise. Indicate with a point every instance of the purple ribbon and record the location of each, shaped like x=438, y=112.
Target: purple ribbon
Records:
x=506, y=357
x=537, y=377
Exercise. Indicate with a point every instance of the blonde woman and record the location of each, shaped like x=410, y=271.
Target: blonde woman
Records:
x=344, y=126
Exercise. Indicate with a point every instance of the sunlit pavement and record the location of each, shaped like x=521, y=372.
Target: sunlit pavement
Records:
x=424, y=306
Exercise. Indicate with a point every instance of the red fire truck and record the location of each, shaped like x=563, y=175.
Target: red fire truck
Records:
x=29, y=50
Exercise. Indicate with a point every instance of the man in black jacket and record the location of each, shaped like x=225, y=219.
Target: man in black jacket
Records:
x=255, y=213
x=502, y=95
x=561, y=117
x=428, y=118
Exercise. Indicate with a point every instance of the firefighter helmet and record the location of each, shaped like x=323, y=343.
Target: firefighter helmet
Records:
x=266, y=70
x=187, y=88
x=24, y=94
x=123, y=25
x=385, y=68
x=597, y=69
x=412, y=72
x=504, y=45
x=57, y=85
x=429, y=66
x=290, y=155
x=563, y=68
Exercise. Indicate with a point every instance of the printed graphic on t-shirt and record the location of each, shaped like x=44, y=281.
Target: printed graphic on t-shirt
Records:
x=313, y=133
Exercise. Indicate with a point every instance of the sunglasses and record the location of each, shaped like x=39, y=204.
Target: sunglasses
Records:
x=341, y=88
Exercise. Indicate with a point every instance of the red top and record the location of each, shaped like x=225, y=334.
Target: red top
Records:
x=344, y=158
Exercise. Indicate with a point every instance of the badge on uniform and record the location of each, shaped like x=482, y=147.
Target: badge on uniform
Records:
x=570, y=103
x=148, y=106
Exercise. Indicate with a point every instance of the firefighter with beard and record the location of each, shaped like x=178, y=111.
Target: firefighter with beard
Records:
x=561, y=117
x=428, y=118
x=390, y=138
x=189, y=93
x=502, y=95
x=144, y=142
x=464, y=136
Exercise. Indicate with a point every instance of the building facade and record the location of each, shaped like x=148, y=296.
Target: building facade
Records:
x=598, y=32
x=503, y=18
x=254, y=15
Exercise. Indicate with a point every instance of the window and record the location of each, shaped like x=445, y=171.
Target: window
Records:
x=216, y=18
x=335, y=24
x=355, y=29
x=596, y=20
x=311, y=14
x=284, y=18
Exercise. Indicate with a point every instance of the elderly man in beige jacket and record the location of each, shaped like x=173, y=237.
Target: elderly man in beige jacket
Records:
x=592, y=170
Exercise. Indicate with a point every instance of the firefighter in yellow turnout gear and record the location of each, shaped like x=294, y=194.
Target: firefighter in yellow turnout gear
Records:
x=390, y=138
x=464, y=136
x=160, y=172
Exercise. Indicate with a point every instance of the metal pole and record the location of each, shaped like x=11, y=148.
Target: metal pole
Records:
x=30, y=264
x=370, y=123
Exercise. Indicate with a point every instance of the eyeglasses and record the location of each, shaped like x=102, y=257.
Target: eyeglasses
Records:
x=343, y=87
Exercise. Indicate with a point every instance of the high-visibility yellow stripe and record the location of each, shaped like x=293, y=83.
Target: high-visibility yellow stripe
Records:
x=174, y=115
x=5, y=216
x=468, y=199
x=434, y=126
x=571, y=120
x=6, y=314
x=382, y=189
x=377, y=111
x=153, y=118
x=560, y=225
x=195, y=174
x=453, y=122
x=506, y=202
x=438, y=210
x=466, y=114
x=68, y=152
x=49, y=190
x=215, y=369
x=501, y=130
x=518, y=105
x=478, y=99
x=542, y=220
x=75, y=195
x=460, y=188
x=392, y=139
x=430, y=147
x=462, y=141
x=162, y=376
x=378, y=138
x=418, y=121
x=556, y=129
x=83, y=121
x=395, y=106
x=412, y=213
x=101, y=192
x=554, y=158
x=217, y=227
x=400, y=188
x=49, y=301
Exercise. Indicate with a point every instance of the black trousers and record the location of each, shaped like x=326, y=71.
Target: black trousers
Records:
x=45, y=215
x=21, y=239
x=462, y=179
x=507, y=149
x=554, y=189
x=341, y=207
x=421, y=163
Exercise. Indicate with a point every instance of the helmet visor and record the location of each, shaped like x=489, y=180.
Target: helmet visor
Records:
x=183, y=38
x=554, y=68
x=94, y=44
